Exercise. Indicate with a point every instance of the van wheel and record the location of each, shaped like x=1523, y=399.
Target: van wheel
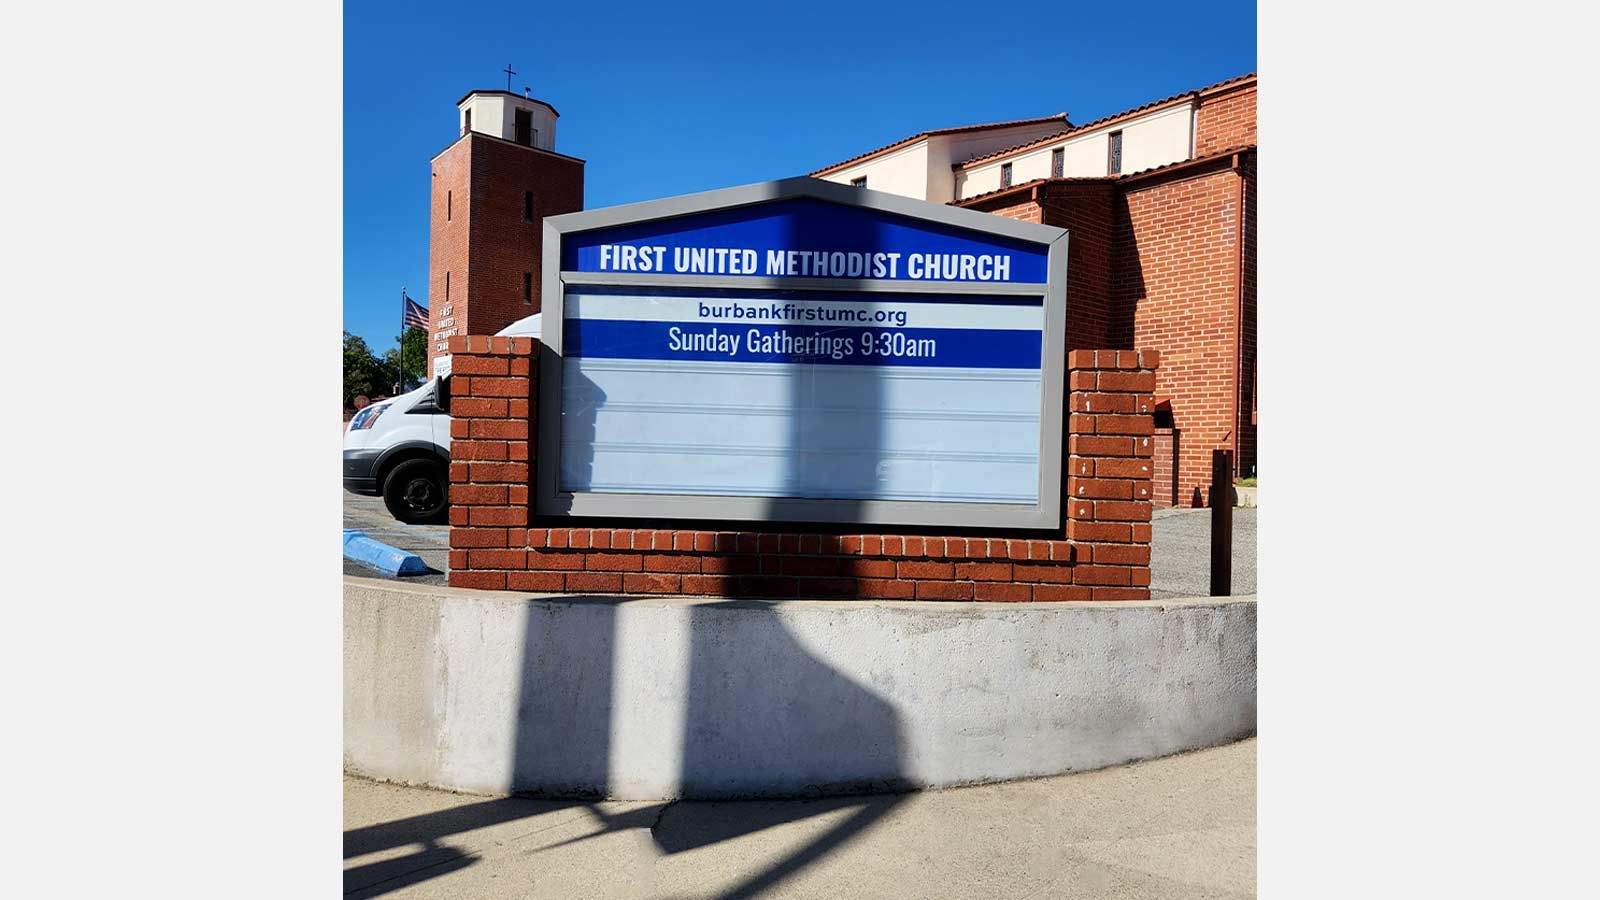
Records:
x=415, y=492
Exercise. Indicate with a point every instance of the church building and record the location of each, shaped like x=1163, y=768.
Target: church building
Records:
x=1159, y=200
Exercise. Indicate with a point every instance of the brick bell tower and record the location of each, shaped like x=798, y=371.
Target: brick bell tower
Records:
x=491, y=190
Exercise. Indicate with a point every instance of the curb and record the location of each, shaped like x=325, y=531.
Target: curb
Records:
x=458, y=689
x=391, y=561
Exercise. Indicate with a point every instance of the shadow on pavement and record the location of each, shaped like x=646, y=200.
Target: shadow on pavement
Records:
x=754, y=698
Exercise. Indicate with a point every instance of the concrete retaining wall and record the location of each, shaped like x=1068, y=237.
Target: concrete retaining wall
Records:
x=660, y=698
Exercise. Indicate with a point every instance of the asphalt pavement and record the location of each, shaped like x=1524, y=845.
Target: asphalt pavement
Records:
x=1180, y=553
x=1180, y=549
x=431, y=542
x=1180, y=827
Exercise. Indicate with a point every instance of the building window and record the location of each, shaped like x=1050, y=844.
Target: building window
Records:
x=448, y=205
x=859, y=182
x=467, y=126
x=447, y=287
x=527, y=206
x=1005, y=175
x=523, y=128
x=527, y=287
x=1114, y=154
x=1058, y=162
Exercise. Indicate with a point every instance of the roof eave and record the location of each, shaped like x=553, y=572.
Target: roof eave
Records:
x=1218, y=158
x=1222, y=87
x=931, y=133
x=497, y=139
x=468, y=95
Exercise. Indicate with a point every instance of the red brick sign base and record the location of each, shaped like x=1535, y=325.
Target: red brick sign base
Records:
x=1102, y=553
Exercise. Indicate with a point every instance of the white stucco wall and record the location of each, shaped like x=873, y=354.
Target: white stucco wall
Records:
x=903, y=172
x=940, y=180
x=977, y=181
x=922, y=170
x=1157, y=139
x=488, y=113
x=496, y=115
x=1086, y=155
x=1154, y=139
x=971, y=145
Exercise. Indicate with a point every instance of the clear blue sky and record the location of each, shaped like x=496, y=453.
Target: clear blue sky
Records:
x=671, y=97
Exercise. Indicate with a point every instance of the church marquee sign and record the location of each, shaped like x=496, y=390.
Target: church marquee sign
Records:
x=802, y=351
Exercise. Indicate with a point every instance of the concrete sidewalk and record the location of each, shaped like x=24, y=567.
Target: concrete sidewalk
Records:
x=1180, y=827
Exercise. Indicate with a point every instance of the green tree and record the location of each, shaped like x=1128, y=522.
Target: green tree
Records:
x=364, y=373
x=414, y=351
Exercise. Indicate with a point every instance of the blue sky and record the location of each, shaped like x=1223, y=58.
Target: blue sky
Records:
x=669, y=98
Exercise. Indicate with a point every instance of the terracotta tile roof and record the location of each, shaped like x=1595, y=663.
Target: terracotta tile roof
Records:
x=1022, y=146
x=938, y=131
x=1195, y=161
x=1172, y=166
x=1025, y=185
x=1101, y=122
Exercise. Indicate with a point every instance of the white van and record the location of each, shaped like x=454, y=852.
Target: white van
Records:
x=400, y=447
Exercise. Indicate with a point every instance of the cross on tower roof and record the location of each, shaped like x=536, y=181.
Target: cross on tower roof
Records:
x=509, y=73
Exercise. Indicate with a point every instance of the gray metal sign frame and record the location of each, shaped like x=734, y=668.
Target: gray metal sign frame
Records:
x=549, y=500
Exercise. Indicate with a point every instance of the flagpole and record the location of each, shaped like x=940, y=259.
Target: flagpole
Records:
x=400, y=355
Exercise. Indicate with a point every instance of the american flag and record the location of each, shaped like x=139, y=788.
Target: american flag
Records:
x=416, y=315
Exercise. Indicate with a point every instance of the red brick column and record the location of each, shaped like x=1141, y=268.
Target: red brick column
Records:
x=1102, y=552
x=492, y=389
x=1110, y=466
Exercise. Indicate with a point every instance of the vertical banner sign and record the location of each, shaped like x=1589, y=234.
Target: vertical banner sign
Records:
x=810, y=360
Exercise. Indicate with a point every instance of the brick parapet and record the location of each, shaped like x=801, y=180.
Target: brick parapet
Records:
x=1101, y=552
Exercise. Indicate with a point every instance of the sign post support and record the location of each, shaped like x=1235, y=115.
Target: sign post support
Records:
x=1221, y=523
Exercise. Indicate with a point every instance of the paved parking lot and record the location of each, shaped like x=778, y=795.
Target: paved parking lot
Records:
x=1180, y=552
x=431, y=542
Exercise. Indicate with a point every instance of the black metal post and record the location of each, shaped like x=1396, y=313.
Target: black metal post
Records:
x=1221, y=523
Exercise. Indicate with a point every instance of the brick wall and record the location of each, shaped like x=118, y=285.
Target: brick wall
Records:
x=1084, y=208
x=1168, y=441
x=1024, y=211
x=485, y=245
x=1102, y=552
x=448, y=223
x=1175, y=286
x=1226, y=120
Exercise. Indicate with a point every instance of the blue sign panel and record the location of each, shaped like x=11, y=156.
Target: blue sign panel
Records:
x=818, y=328
x=806, y=238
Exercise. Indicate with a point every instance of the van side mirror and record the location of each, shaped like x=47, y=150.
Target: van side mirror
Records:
x=436, y=401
